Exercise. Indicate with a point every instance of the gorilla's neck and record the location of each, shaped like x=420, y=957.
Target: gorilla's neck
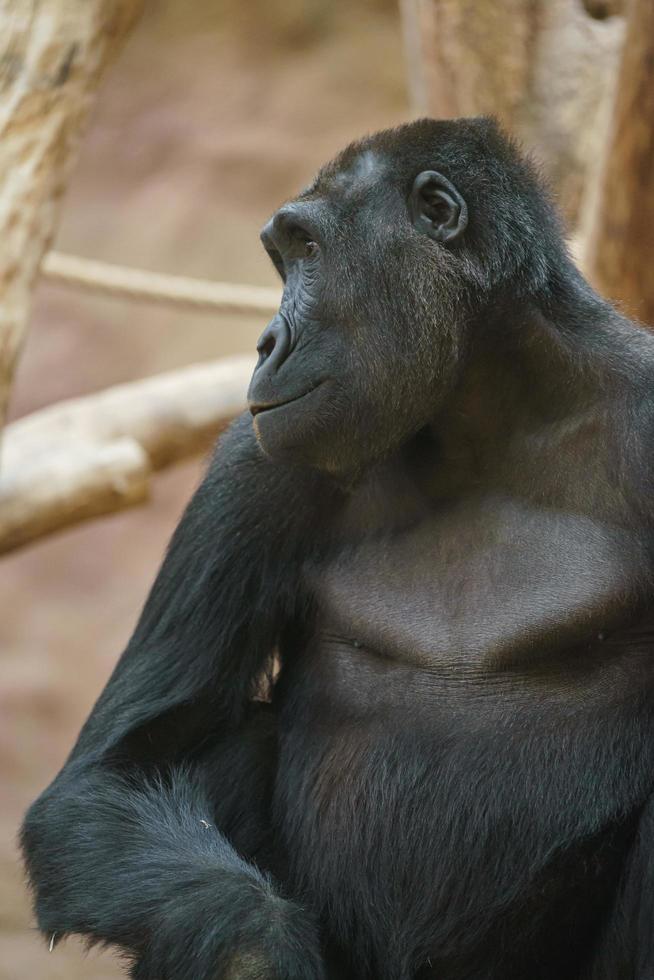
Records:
x=543, y=400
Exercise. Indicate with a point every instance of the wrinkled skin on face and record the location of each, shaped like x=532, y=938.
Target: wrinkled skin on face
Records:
x=367, y=355
x=381, y=265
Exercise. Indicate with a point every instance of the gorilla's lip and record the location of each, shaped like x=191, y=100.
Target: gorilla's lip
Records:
x=258, y=408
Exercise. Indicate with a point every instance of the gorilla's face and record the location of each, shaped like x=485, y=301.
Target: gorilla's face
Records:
x=368, y=335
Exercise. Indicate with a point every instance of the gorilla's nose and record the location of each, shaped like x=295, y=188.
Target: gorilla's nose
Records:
x=274, y=347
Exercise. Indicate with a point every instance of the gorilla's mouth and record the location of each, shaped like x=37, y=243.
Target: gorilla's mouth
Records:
x=258, y=408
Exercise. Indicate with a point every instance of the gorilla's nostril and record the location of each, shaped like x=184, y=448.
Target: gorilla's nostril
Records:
x=267, y=347
x=274, y=344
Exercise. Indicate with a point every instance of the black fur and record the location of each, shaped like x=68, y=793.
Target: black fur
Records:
x=442, y=520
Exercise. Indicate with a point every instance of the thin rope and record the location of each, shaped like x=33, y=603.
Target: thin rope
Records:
x=200, y=295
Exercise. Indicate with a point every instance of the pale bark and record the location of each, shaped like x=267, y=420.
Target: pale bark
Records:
x=620, y=238
x=545, y=68
x=90, y=456
x=52, y=54
x=66, y=487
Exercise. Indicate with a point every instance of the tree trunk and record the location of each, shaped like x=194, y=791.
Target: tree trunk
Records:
x=620, y=240
x=52, y=54
x=545, y=68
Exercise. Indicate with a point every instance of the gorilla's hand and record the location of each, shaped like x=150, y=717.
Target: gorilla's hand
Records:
x=262, y=937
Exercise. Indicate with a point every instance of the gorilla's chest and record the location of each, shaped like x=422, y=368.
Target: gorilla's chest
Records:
x=499, y=602
x=468, y=704
x=443, y=761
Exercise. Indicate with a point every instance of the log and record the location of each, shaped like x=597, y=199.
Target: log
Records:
x=52, y=56
x=85, y=457
x=620, y=238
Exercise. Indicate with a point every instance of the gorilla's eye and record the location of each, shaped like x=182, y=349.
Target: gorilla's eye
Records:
x=310, y=248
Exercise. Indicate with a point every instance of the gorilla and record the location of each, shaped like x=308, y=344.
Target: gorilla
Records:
x=436, y=523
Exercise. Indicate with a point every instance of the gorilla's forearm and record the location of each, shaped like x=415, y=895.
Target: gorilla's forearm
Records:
x=143, y=867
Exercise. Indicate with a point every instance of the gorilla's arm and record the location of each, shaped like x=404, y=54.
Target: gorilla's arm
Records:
x=121, y=846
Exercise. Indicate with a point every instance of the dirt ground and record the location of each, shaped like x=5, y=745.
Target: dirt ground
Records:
x=214, y=114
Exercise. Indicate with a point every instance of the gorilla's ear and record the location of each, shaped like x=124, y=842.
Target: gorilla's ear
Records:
x=436, y=207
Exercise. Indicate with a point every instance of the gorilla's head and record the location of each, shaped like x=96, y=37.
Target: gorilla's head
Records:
x=391, y=261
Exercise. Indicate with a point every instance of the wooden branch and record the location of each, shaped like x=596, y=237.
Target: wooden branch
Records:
x=620, y=241
x=52, y=55
x=90, y=456
x=65, y=488
x=182, y=292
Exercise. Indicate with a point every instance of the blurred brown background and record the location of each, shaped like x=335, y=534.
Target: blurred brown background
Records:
x=214, y=113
